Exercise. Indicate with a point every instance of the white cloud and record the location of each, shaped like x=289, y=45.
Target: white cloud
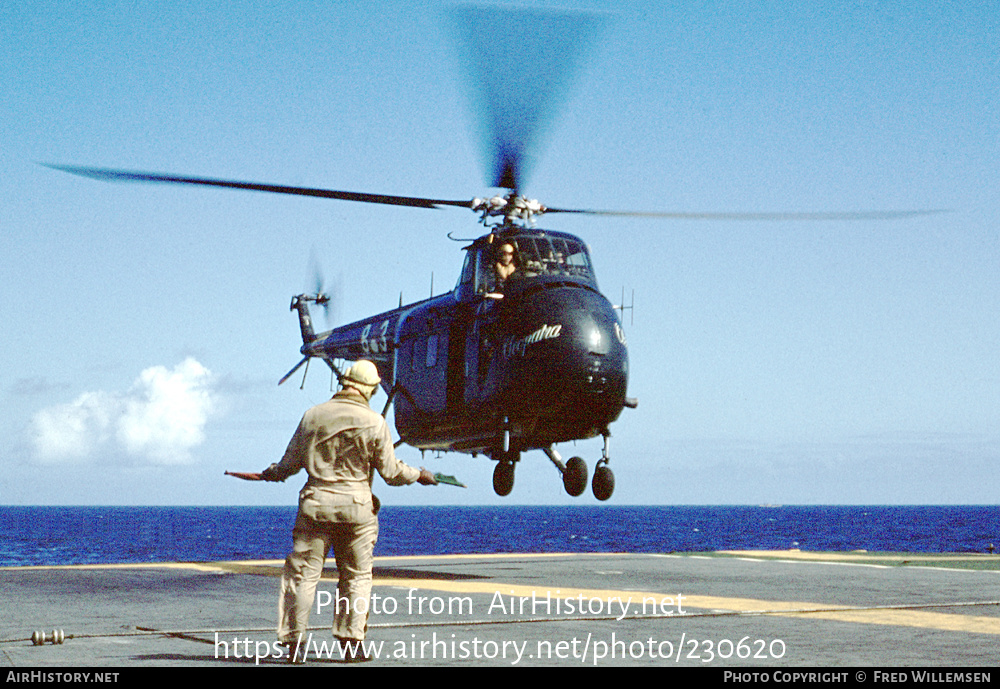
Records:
x=157, y=421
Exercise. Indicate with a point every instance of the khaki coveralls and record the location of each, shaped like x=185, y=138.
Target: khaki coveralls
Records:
x=340, y=444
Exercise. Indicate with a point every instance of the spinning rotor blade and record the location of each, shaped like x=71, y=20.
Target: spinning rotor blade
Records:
x=520, y=65
x=107, y=175
x=292, y=372
x=322, y=297
x=848, y=215
x=327, y=297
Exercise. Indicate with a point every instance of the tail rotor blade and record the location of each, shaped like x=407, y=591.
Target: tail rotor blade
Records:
x=292, y=372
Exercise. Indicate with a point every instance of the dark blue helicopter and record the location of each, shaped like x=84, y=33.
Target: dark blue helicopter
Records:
x=524, y=353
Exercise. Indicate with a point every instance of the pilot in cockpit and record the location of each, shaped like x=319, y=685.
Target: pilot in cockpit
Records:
x=505, y=263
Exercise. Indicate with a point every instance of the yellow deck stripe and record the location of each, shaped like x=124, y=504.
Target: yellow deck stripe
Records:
x=838, y=613
x=690, y=603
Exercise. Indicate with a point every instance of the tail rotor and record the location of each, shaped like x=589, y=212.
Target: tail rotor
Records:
x=300, y=302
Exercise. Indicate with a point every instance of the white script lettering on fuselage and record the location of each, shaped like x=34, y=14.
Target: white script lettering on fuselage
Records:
x=517, y=346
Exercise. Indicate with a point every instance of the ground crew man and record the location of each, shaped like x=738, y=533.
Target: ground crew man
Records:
x=341, y=444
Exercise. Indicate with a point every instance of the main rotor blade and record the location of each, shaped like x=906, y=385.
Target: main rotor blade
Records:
x=835, y=215
x=108, y=175
x=520, y=63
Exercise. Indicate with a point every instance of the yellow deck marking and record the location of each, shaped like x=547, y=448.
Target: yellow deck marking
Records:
x=864, y=556
x=839, y=613
x=691, y=603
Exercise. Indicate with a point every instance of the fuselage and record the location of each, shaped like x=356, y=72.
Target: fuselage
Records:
x=538, y=354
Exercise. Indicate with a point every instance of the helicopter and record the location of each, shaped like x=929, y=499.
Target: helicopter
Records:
x=502, y=364
x=525, y=352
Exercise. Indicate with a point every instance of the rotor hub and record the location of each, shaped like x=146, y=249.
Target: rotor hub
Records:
x=514, y=209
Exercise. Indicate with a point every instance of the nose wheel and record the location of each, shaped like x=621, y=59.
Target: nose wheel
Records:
x=603, y=484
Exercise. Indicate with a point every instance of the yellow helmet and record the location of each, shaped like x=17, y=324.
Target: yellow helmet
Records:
x=362, y=373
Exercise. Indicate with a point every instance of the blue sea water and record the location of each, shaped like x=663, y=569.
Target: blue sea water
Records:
x=90, y=535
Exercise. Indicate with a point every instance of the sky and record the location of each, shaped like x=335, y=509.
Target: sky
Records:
x=824, y=362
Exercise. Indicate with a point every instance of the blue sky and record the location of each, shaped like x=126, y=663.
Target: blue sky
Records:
x=146, y=326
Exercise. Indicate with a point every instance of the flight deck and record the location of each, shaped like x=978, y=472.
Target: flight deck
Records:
x=763, y=609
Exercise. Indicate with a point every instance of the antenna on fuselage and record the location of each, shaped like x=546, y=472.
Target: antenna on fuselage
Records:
x=621, y=307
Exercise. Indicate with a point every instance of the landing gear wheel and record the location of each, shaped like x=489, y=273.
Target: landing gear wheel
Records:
x=503, y=477
x=575, y=477
x=604, y=483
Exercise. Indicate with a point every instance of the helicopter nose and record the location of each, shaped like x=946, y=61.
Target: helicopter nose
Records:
x=576, y=362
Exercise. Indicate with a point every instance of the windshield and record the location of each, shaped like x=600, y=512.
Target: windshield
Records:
x=526, y=257
x=553, y=256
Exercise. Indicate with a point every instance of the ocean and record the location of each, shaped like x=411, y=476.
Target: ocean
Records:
x=100, y=535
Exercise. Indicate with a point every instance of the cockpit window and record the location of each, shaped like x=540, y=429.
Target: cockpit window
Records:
x=488, y=266
x=553, y=256
x=468, y=269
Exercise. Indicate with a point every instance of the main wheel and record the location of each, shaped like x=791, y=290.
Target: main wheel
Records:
x=604, y=483
x=503, y=477
x=575, y=477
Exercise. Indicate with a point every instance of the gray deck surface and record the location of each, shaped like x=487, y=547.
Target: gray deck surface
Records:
x=755, y=609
